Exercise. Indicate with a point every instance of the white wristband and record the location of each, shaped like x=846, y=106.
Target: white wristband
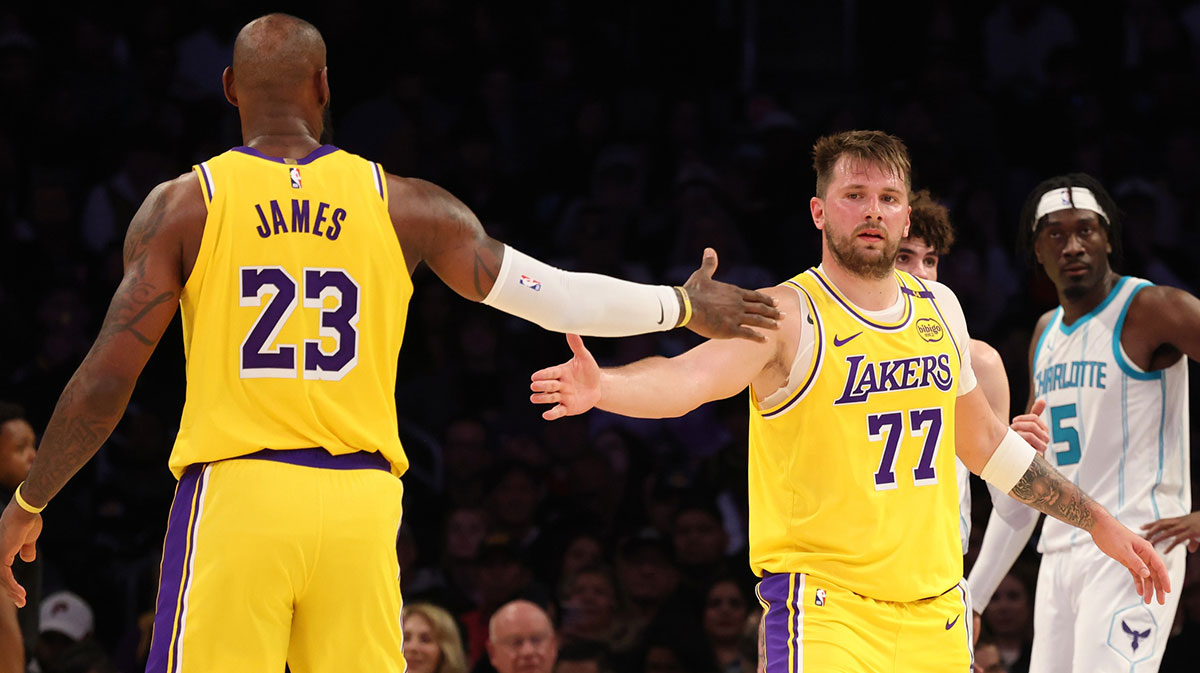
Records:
x=1009, y=462
x=580, y=303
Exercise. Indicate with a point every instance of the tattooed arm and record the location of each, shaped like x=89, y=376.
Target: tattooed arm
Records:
x=977, y=435
x=95, y=398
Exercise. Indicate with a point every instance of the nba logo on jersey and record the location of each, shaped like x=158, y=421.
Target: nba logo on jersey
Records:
x=295, y=175
x=820, y=599
x=532, y=284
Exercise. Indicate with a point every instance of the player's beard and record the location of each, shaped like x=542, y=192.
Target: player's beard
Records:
x=877, y=264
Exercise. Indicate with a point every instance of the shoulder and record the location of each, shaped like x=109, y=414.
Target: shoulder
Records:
x=787, y=297
x=177, y=202
x=1042, y=323
x=985, y=359
x=1153, y=299
x=981, y=352
x=941, y=293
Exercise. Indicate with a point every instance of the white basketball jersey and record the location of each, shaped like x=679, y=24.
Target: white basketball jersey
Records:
x=1117, y=431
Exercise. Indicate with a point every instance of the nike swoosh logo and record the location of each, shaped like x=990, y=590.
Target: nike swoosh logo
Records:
x=950, y=625
x=842, y=342
x=660, y=312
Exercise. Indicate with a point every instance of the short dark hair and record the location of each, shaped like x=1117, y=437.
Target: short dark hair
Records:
x=10, y=412
x=1029, y=224
x=871, y=146
x=930, y=222
x=586, y=650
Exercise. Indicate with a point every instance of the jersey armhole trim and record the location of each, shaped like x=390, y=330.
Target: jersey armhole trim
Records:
x=380, y=183
x=206, y=182
x=1037, y=350
x=1131, y=370
x=814, y=368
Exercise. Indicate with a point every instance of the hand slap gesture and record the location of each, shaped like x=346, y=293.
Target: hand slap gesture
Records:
x=572, y=387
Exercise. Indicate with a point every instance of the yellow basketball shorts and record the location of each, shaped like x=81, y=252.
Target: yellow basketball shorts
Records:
x=281, y=556
x=811, y=625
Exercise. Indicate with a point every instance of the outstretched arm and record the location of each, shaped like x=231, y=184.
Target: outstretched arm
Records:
x=655, y=387
x=660, y=387
x=434, y=226
x=95, y=397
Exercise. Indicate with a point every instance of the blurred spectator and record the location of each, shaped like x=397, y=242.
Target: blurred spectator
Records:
x=987, y=656
x=590, y=609
x=431, y=640
x=726, y=610
x=18, y=628
x=503, y=575
x=1008, y=619
x=65, y=620
x=582, y=657
x=647, y=577
x=521, y=639
x=513, y=499
x=700, y=540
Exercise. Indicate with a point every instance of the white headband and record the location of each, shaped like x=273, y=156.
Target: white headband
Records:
x=1066, y=198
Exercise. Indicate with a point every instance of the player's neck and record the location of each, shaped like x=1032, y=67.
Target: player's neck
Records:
x=286, y=137
x=1076, y=306
x=868, y=293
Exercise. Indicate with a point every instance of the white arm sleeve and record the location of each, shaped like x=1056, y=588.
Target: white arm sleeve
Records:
x=580, y=303
x=1002, y=544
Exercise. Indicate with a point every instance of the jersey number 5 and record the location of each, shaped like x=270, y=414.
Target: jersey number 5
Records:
x=889, y=428
x=262, y=358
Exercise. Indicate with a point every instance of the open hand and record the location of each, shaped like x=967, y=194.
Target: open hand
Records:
x=1032, y=428
x=19, y=531
x=1178, y=529
x=572, y=387
x=1137, y=555
x=721, y=310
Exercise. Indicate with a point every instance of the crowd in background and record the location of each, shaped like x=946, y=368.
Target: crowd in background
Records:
x=619, y=137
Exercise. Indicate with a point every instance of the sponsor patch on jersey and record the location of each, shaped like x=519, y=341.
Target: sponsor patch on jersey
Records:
x=531, y=283
x=820, y=599
x=930, y=330
x=294, y=173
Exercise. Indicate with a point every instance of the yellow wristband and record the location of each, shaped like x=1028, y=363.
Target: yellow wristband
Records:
x=687, y=307
x=24, y=505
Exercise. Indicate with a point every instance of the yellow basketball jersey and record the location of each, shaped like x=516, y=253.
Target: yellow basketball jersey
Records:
x=295, y=310
x=852, y=477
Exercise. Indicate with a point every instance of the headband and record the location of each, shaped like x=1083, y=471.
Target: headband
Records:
x=1066, y=198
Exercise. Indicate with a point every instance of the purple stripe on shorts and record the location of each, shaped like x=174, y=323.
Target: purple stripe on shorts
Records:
x=172, y=576
x=319, y=457
x=776, y=594
x=311, y=157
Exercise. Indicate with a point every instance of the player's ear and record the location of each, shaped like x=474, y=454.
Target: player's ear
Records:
x=817, y=206
x=323, y=86
x=228, y=86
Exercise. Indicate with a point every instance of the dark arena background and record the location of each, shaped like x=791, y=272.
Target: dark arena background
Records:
x=619, y=137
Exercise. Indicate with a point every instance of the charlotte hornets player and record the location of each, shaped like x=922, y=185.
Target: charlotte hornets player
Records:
x=1110, y=362
x=291, y=262
x=858, y=406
